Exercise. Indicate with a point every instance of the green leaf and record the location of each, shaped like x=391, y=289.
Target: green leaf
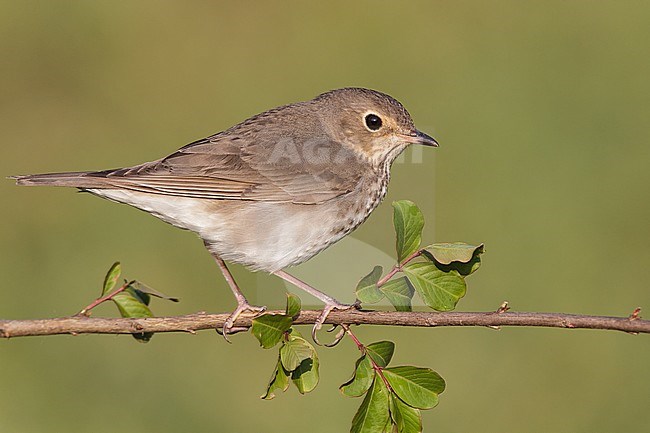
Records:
x=447, y=252
x=306, y=377
x=361, y=379
x=269, y=328
x=367, y=290
x=390, y=426
x=416, y=386
x=279, y=381
x=458, y=256
x=408, y=221
x=373, y=414
x=392, y=398
x=381, y=352
x=439, y=290
x=110, y=281
x=294, y=352
x=294, y=333
x=130, y=304
x=399, y=293
x=406, y=418
x=293, y=305
x=143, y=288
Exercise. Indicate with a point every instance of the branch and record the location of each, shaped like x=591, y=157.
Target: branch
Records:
x=194, y=322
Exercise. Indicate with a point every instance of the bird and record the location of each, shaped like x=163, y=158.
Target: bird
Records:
x=272, y=191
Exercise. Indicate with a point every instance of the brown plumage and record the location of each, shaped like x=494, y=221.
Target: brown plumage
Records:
x=274, y=190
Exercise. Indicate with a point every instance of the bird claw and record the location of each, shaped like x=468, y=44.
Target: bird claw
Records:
x=321, y=320
x=228, y=326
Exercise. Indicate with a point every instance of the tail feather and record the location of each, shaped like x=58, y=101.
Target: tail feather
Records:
x=78, y=179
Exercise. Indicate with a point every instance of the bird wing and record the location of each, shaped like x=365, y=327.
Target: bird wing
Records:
x=228, y=166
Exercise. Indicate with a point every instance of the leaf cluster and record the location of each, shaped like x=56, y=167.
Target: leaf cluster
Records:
x=393, y=395
x=436, y=272
x=132, y=298
x=297, y=359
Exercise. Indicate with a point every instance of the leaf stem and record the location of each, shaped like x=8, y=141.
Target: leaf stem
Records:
x=86, y=310
x=397, y=268
x=354, y=338
x=362, y=349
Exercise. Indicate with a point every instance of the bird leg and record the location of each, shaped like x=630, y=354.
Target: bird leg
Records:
x=331, y=304
x=242, y=303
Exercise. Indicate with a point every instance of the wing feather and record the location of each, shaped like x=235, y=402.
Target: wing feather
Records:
x=231, y=166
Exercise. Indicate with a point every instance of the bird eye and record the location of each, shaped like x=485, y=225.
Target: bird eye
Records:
x=373, y=122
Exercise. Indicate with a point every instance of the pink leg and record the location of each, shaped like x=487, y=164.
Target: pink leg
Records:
x=242, y=303
x=331, y=304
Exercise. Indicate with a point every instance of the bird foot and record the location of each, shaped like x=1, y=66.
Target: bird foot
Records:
x=228, y=326
x=323, y=316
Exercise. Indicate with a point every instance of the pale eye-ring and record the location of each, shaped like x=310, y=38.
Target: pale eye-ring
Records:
x=373, y=122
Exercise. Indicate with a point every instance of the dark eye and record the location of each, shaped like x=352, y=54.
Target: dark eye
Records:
x=373, y=122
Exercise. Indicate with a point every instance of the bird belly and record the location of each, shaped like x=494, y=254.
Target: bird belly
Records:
x=272, y=236
x=266, y=236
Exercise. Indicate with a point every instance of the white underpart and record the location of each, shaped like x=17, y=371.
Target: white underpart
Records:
x=261, y=235
x=181, y=212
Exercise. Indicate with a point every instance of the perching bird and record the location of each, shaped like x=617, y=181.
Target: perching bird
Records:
x=273, y=190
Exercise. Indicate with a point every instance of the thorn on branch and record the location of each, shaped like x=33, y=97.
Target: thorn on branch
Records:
x=503, y=308
x=635, y=314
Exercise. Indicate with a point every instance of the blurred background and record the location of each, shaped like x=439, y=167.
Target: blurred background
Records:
x=541, y=109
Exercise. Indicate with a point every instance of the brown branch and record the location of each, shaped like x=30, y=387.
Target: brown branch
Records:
x=193, y=322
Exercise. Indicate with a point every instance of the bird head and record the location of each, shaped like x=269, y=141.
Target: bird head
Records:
x=374, y=124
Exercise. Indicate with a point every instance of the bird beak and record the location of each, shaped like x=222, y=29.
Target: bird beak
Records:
x=421, y=138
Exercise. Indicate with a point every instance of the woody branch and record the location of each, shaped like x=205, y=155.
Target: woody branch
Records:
x=191, y=323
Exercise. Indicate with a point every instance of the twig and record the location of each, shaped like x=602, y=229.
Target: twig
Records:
x=195, y=322
x=362, y=349
x=86, y=310
x=398, y=267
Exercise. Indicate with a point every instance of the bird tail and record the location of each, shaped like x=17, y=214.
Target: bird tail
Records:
x=77, y=179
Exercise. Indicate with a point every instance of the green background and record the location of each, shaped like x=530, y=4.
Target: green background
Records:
x=541, y=109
